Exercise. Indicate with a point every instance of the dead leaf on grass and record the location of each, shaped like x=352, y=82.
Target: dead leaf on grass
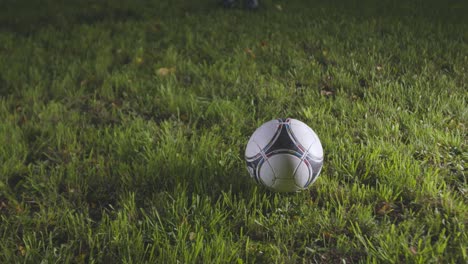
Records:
x=327, y=92
x=22, y=250
x=19, y=209
x=192, y=236
x=165, y=71
x=385, y=208
x=250, y=53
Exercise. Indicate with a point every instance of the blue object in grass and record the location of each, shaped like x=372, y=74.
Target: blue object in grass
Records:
x=251, y=4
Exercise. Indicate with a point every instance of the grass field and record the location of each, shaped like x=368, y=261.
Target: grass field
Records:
x=124, y=123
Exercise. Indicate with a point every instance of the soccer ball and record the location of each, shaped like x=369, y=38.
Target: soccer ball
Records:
x=284, y=155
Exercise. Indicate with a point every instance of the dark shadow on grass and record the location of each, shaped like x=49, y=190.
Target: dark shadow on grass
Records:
x=27, y=17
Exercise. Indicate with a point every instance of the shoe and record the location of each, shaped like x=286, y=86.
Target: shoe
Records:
x=252, y=4
x=229, y=3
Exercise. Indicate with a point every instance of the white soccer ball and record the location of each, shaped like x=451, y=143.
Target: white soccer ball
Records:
x=284, y=155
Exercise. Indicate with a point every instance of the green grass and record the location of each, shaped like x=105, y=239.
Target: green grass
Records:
x=104, y=160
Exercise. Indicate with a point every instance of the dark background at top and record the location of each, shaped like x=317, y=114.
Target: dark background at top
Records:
x=26, y=17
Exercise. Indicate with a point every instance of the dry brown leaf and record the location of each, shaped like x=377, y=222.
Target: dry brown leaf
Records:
x=326, y=92
x=22, y=250
x=327, y=235
x=250, y=53
x=192, y=236
x=19, y=209
x=165, y=71
x=385, y=208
